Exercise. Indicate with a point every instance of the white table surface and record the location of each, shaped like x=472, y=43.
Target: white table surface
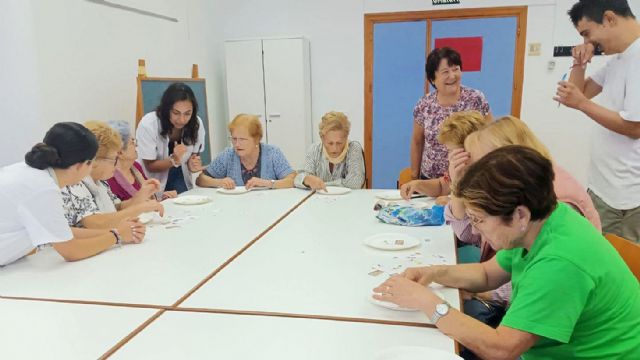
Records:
x=185, y=335
x=166, y=265
x=314, y=262
x=47, y=330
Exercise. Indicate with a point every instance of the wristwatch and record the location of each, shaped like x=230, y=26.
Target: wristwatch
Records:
x=442, y=309
x=273, y=183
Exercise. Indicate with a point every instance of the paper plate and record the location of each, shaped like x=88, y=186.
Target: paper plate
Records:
x=235, y=191
x=392, y=306
x=414, y=352
x=390, y=195
x=391, y=241
x=334, y=190
x=191, y=200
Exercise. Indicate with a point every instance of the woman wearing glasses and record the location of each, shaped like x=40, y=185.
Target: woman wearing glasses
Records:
x=129, y=177
x=90, y=203
x=171, y=138
x=32, y=214
x=248, y=162
x=574, y=297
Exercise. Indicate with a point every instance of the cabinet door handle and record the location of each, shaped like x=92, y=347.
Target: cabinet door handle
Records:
x=274, y=115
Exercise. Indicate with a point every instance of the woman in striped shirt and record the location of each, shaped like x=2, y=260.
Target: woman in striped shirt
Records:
x=335, y=161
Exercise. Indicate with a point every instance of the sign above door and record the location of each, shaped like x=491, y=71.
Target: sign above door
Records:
x=445, y=2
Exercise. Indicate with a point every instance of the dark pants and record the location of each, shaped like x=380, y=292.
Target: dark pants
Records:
x=175, y=181
x=488, y=312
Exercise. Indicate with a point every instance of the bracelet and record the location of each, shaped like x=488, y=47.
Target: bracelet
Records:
x=116, y=234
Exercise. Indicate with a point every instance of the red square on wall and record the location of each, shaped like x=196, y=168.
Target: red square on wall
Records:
x=470, y=49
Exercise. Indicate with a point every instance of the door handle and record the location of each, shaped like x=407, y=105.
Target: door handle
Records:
x=273, y=115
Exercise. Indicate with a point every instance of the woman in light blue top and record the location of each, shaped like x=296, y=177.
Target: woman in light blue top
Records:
x=248, y=162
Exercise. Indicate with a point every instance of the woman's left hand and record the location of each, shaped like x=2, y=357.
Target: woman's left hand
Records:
x=257, y=182
x=169, y=194
x=194, y=163
x=406, y=293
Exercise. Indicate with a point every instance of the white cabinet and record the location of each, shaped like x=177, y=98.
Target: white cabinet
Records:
x=271, y=78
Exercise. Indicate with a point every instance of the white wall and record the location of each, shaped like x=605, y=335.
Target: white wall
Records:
x=85, y=58
x=19, y=98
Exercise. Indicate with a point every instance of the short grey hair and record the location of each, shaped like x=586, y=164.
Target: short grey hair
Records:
x=124, y=129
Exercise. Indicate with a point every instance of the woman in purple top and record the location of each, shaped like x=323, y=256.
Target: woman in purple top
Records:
x=129, y=176
x=444, y=72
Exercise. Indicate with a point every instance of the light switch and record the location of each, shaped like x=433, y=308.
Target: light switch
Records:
x=535, y=49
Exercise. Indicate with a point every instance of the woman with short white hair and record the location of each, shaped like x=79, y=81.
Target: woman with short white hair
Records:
x=335, y=161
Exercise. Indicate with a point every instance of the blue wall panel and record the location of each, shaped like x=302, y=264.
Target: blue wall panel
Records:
x=398, y=83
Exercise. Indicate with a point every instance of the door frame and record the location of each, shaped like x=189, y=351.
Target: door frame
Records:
x=519, y=12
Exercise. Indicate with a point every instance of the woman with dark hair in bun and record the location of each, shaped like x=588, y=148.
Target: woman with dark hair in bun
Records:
x=32, y=214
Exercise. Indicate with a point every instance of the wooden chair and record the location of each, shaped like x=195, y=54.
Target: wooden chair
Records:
x=628, y=250
x=404, y=177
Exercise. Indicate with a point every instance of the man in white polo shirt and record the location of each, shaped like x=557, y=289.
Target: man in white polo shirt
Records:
x=614, y=171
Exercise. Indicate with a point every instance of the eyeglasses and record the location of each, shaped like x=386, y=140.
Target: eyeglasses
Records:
x=236, y=140
x=474, y=220
x=115, y=161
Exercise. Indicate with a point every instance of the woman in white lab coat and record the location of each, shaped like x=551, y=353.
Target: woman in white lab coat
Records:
x=32, y=214
x=171, y=138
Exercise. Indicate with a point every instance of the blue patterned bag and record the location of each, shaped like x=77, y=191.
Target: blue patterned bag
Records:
x=410, y=216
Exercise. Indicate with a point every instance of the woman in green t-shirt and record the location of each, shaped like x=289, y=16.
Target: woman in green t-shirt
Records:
x=573, y=296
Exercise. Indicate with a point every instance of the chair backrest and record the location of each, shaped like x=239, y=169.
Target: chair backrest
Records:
x=628, y=250
x=366, y=180
x=404, y=177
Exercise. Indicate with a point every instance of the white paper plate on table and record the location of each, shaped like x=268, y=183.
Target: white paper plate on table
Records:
x=191, y=200
x=334, y=190
x=392, y=306
x=391, y=241
x=390, y=195
x=235, y=191
x=415, y=352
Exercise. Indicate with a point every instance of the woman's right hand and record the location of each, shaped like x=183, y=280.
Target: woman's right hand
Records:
x=148, y=188
x=314, y=182
x=410, y=188
x=131, y=231
x=227, y=183
x=458, y=161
